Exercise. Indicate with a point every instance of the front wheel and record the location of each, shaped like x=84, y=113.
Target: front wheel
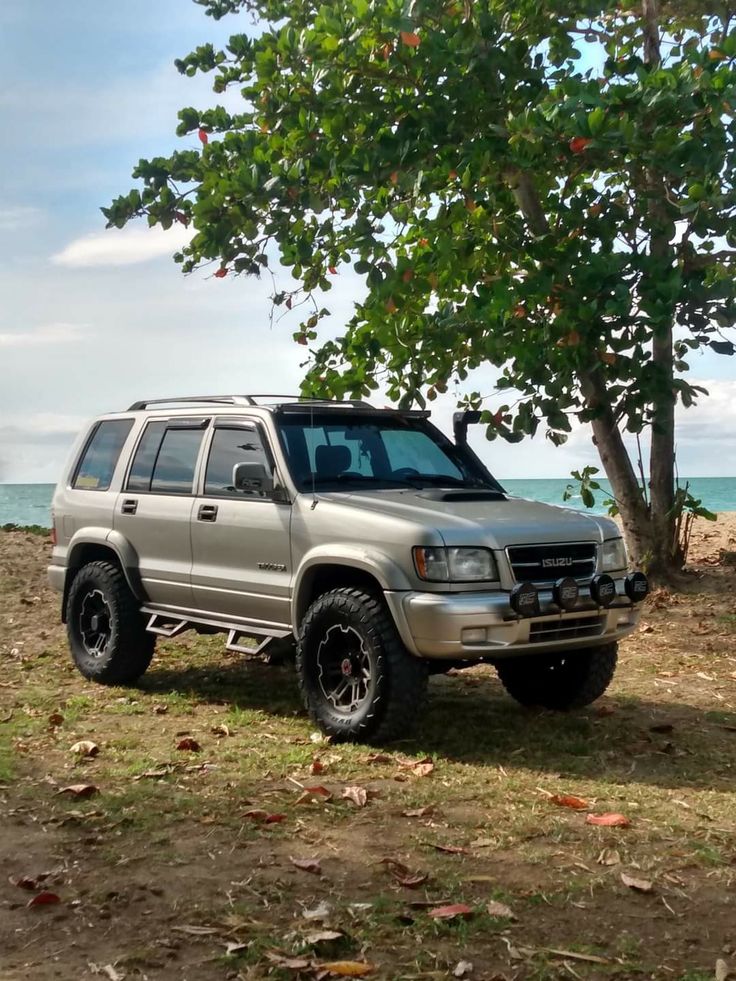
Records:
x=562, y=681
x=357, y=679
x=107, y=634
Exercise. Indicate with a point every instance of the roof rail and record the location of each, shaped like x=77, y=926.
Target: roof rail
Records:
x=241, y=400
x=212, y=399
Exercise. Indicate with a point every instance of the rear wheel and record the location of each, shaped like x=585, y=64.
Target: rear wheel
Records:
x=357, y=679
x=562, y=681
x=106, y=631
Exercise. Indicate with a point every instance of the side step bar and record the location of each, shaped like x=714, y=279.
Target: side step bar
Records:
x=171, y=625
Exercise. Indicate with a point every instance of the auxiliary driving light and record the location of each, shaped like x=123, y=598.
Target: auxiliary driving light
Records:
x=524, y=599
x=565, y=593
x=636, y=585
x=603, y=590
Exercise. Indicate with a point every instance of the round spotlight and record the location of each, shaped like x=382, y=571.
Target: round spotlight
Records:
x=636, y=585
x=565, y=593
x=603, y=590
x=524, y=600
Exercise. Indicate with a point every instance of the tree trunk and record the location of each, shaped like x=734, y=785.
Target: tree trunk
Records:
x=664, y=559
x=619, y=470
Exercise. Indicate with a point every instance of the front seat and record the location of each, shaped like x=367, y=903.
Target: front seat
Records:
x=331, y=461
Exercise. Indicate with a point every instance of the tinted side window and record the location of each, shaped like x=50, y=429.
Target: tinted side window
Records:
x=230, y=447
x=101, y=454
x=173, y=472
x=139, y=478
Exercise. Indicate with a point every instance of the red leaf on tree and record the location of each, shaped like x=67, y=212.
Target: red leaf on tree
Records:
x=44, y=899
x=203, y=137
x=569, y=800
x=221, y=272
x=410, y=39
x=608, y=820
x=578, y=144
x=332, y=270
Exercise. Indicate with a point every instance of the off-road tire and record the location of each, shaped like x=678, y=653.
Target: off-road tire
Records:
x=564, y=681
x=399, y=681
x=129, y=647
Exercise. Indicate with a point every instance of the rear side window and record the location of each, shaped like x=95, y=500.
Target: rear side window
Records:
x=101, y=455
x=166, y=459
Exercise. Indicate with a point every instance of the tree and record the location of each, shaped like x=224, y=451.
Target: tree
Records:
x=546, y=187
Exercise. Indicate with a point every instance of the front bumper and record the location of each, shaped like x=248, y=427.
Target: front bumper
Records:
x=437, y=625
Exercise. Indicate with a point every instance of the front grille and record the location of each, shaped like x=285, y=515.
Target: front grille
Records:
x=547, y=563
x=546, y=630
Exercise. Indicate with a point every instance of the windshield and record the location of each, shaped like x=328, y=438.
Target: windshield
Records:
x=332, y=450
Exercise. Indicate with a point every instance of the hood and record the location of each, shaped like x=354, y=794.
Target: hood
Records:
x=470, y=521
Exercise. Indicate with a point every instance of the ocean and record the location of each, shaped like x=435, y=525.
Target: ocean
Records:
x=30, y=504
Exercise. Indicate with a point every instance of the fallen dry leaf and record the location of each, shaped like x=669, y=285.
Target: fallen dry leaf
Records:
x=608, y=820
x=188, y=744
x=451, y=912
x=235, y=948
x=609, y=856
x=221, y=730
x=44, y=899
x=379, y=758
x=263, y=817
x=196, y=931
x=85, y=748
x=160, y=709
x=55, y=719
x=109, y=971
x=640, y=885
x=403, y=875
x=451, y=849
x=722, y=970
x=575, y=956
x=320, y=912
x=462, y=969
x=307, y=865
x=347, y=969
x=81, y=790
x=317, y=767
x=569, y=800
x=309, y=794
x=419, y=812
x=27, y=881
x=357, y=795
x=322, y=936
x=289, y=963
x=501, y=910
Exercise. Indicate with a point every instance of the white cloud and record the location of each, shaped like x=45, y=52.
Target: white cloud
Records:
x=19, y=216
x=124, y=247
x=44, y=335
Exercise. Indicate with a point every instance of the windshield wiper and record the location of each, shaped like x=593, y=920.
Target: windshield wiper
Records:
x=444, y=480
x=343, y=478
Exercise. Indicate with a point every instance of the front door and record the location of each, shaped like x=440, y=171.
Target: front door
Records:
x=241, y=556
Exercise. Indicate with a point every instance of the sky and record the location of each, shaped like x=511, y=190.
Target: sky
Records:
x=91, y=320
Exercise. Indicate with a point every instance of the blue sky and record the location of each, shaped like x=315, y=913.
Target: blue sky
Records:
x=92, y=319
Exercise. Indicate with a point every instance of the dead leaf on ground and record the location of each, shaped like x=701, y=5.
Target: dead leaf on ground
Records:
x=576, y=956
x=403, y=875
x=379, y=758
x=451, y=912
x=288, y=963
x=639, y=885
x=419, y=812
x=323, y=936
x=320, y=912
x=419, y=768
x=451, y=849
x=235, y=948
x=501, y=910
x=608, y=820
x=356, y=795
x=80, y=790
x=189, y=744
x=609, y=856
x=109, y=971
x=462, y=969
x=310, y=794
x=85, y=748
x=263, y=817
x=307, y=865
x=221, y=730
x=55, y=719
x=196, y=931
x=160, y=709
x=27, y=881
x=722, y=970
x=569, y=800
x=317, y=767
x=346, y=969
x=44, y=899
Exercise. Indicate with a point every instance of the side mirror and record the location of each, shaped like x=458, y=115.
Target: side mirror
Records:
x=252, y=478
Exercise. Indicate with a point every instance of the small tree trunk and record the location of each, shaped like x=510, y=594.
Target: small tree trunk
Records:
x=664, y=559
x=619, y=470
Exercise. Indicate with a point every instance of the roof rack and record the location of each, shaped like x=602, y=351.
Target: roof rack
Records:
x=241, y=400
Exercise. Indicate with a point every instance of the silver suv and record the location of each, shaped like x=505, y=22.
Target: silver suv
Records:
x=383, y=549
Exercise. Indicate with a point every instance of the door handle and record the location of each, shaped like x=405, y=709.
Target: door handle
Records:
x=129, y=506
x=207, y=512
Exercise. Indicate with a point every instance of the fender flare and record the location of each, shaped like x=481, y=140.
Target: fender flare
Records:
x=126, y=555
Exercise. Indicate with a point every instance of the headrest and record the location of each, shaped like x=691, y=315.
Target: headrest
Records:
x=330, y=461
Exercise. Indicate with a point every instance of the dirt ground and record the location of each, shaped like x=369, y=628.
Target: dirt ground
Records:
x=215, y=862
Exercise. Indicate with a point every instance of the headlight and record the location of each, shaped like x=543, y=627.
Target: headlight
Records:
x=614, y=555
x=455, y=564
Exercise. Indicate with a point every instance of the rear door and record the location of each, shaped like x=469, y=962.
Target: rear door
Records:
x=240, y=538
x=154, y=509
